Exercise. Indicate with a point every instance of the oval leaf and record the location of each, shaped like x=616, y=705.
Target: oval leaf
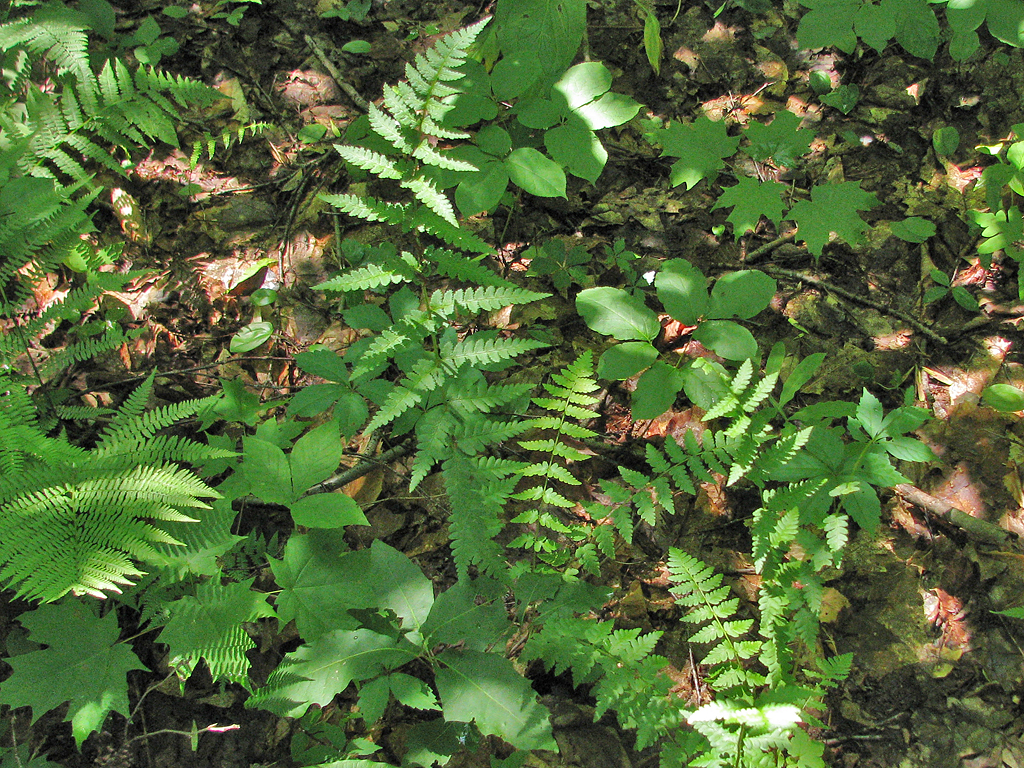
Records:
x=625, y=360
x=726, y=338
x=535, y=173
x=656, y=391
x=913, y=229
x=615, y=313
x=741, y=294
x=1003, y=398
x=327, y=510
x=250, y=337
x=682, y=291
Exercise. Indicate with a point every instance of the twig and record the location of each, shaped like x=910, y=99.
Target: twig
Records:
x=335, y=73
x=768, y=247
x=850, y=296
x=975, y=528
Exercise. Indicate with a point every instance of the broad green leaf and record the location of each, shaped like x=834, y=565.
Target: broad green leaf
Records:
x=656, y=391
x=908, y=449
x=266, y=468
x=863, y=507
x=830, y=24
x=373, y=699
x=876, y=24
x=540, y=113
x=251, y=336
x=946, y=140
x=1003, y=397
x=682, y=291
x=494, y=140
x=209, y=626
x=844, y=98
x=726, y=338
x=84, y=664
x=701, y=147
x=315, y=399
x=870, y=414
x=610, y=110
x=706, y=384
x=741, y=294
x=803, y=373
x=917, y=28
x=316, y=672
x=486, y=689
x=913, y=229
x=535, y=173
x=470, y=612
x=624, y=360
x=616, y=313
x=576, y=148
x=315, y=457
x=832, y=208
x=482, y=191
x=583, y=83
x=412, y=691
x=327, y=510
x=368, y=316
x=751, y=199
x=653, y=45
x=433, y=742
x=323, y=363
x=782, y=140
x=549, y=31
x=513, y=75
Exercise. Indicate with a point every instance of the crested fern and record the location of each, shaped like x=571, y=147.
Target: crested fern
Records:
x=76, y=520
x=410, y=118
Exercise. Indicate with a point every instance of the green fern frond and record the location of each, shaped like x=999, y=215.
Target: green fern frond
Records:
x=367, y=208
x=472, y=301
x=478, y=350
x=423, y=379
x=372, y=276
x=424, y=220
x=51, y=33
x=225, y=141
x=374, y=162
x=478, y=492
x=466, y=269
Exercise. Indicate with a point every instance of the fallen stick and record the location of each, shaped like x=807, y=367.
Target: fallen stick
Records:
x=975, y=528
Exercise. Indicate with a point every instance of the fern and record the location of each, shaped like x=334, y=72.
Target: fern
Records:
x=409, y=120
x=208, y=144
x=74, y=520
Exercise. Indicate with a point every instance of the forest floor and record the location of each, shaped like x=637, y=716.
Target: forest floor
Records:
x=938, y=677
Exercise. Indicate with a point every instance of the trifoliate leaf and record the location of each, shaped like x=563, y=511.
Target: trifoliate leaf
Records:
x=84, y=665
x=486, y=689
x=783, y=140
x=832, y=208
x=616, y=313
x=752, y=200
x=701, y=147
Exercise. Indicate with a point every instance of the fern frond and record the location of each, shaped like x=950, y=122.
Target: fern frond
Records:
x=371, y=276
x=472, y=301
x=478, y=350
x=466, y=269
x=374, y=162
x=423, y=219
x=478, y=494
x=434, y=199
x=367, y=208
x=424, y=378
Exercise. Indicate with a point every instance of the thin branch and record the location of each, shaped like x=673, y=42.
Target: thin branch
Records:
x=975, y=528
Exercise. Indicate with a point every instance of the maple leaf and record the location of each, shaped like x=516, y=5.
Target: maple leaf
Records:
x=783, y=140
x=832, y=208
x=84, y=665
x=752, y=200
x=209, y=626
x=701, y=148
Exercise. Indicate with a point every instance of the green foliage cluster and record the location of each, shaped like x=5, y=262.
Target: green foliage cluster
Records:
x=368, y=620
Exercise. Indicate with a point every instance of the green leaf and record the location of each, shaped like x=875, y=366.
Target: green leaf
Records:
x=946, y=140
x=616, y=313
x=682, y=290
x=315, y=457
x=482, y=191
x=494, y=140
x=701, y=147
x=844, y=98
x=574, y=146
x=486, y=689
x=357, y=46
x=828, y=24
x=909, y=449
x=863, y=506
x=209, y=626
x=963, y=297
x=913, y=229
x=803, y=373
x=327, y=510
x=84, y=664
x=266, y=468
x=412, y=691
x=832, y=208
x=535, y=173
x=917, y=28
x=876, y=24
x=548, y=31
x=726, y=338
x=1003, y=397
x=251, y=336
x=751, y=199
x=583, y=83
x=608, y=111
x=870, y=414
x=513, y=76
x=653, y=45
x=741, y=294
x=625, y=360
x=656, y=391
x=783, y=140
x=470, y=612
